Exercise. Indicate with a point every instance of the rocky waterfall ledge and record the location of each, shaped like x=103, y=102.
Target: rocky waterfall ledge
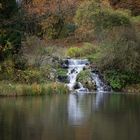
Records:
x=82, y=78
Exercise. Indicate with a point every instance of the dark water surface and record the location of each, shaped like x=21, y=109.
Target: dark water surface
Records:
x=71, y=117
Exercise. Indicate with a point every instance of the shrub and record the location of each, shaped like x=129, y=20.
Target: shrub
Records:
x=7, y=70
x=36, y=51
x=74, y=52
x=93, y=18
x=120, y=50
x=62, y=75
x=109, y=18
x=28, y=76
x=52, y=26
x=136, y=25
x=83, y=51
x=20, y=61
x=83, y=75
x=56, y=88
x=62, y=72
x=93, y=57
x=67, y=30
x=119, y=80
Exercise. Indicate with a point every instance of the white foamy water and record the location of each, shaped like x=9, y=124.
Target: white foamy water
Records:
x=101, y=86
x=75, y=67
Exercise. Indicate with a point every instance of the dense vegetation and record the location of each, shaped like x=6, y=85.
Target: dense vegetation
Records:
x=36, y=34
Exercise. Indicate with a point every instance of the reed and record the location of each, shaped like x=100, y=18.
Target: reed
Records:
x=32, y=90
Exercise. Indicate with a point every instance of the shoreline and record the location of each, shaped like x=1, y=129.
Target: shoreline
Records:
x=24, y=90
x=14, y=90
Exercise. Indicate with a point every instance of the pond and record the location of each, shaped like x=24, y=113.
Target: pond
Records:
x=71, y=117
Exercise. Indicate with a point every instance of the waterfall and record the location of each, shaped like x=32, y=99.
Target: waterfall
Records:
x=101, y=86
x=75, y=66
x=18, y=1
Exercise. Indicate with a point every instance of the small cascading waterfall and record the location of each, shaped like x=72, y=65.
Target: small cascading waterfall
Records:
x=19, y=1
x=101, y=86
x=75, y=66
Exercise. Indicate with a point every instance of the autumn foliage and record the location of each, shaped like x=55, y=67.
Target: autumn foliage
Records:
x=133, y=5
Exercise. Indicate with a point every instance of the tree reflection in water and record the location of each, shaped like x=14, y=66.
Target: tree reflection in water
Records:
x=70, y=117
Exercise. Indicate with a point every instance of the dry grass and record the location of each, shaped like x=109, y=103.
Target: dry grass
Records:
x=32, y=90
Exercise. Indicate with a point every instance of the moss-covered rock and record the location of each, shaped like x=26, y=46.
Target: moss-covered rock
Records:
x=85, y=79
x=62, y=75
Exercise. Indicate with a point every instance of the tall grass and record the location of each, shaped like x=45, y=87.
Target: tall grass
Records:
x=32, y=90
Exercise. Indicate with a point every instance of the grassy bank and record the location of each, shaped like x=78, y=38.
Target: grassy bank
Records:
x=134, y=88
x=32, y=90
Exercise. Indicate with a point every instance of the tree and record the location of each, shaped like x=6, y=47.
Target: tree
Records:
x=133, y=5
x=49, y=17
x=8, y=8
x=10, y=31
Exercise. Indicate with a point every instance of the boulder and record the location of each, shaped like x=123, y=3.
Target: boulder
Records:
x=62, y=75
x=65, y=63
x=63, y=79
x=77, y=85
x=84, y=77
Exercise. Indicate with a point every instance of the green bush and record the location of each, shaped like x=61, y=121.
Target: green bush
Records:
x=28, y=76
x=90, y=14
x=67, y=30
x=20, y=62
x=7, y=70
x=52, y=26
x=94, y=19
x=83, y=75
x=83, y=51
x=109, y=18
x=74, y=52
x=119, y=80
x=62, y=72
x=120, y=50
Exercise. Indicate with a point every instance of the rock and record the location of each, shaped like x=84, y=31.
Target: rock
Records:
x=62, y=75
x=63, y=79
x=64, y=66
x=86, y=67
x=52, y=76
x=85, y=79
x=95, y=71
x=77, y=85
x=91, y=85
x=65, y=63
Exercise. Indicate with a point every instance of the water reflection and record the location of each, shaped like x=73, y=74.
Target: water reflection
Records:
x=100, y=99
x=76, y=114
x=73, y=117
x=79, y=113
